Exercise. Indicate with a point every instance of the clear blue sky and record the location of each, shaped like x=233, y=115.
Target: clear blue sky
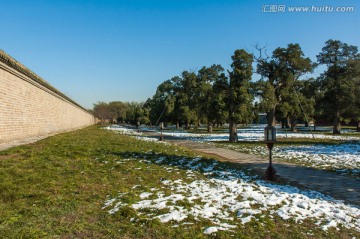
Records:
x=107, y=50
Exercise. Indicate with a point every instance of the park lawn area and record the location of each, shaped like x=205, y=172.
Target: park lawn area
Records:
x=337, y=156
x=66, y=186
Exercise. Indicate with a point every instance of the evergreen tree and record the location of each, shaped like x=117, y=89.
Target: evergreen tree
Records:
x=206, y=96
x=186, y=98
x=161, y=106
x=339, y=81
x=117, y=111
x=218, y=112
x=282, y=72
x=296, y=106
x=239, y=96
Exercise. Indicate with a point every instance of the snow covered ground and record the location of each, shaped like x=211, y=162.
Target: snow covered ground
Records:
x=340, y=156
x=229, y=198
x=123, y=130
x=131, y=132
x=344, y=157
x=254, y=133
x=251, y=133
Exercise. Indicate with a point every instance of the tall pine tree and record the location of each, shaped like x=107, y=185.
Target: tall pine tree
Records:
x=239, y=96
x=339, y=81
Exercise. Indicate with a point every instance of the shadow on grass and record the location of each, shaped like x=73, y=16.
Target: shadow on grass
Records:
x=319, y=180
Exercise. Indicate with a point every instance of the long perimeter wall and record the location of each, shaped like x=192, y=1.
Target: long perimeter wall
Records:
x=31, y=107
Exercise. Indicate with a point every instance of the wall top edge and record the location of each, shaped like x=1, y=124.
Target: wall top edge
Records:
x=11, y=62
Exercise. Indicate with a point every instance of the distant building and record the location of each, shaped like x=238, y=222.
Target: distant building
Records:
x=261, y=119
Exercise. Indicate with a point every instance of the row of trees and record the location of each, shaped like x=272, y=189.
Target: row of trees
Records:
x=121, y=112
x=214, y=96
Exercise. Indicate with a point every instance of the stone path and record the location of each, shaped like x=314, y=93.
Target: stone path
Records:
x=337, y=186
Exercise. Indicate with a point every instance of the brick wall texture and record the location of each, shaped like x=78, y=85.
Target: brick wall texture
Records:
x=29, y=109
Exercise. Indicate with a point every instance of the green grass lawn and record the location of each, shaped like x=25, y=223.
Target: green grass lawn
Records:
x=57, y=187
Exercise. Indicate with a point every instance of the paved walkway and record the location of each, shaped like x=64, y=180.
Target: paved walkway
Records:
x=337, y=186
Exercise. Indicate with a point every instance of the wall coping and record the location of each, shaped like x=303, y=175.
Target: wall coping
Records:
x=14, y=64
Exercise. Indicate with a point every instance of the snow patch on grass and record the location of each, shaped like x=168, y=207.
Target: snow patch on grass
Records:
x=253, y=133
x=344, y=157
x=337, y=156
x=133, y=133
x=228, y=198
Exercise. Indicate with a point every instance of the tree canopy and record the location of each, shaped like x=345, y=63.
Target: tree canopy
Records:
x=212, y=96
x=340, y=82
x=281, y=89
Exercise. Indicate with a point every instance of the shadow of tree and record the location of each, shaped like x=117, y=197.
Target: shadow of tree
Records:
x=226, y=171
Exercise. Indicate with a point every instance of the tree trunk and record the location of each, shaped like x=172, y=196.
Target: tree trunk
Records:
x=270, y=116
x=177, y=125
x=233, y=138
x=288, y=122
x=358, y=127
x=209, y=127
x=337, y=123
x=293, y=124
x=187, y=125
x=285, y=123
